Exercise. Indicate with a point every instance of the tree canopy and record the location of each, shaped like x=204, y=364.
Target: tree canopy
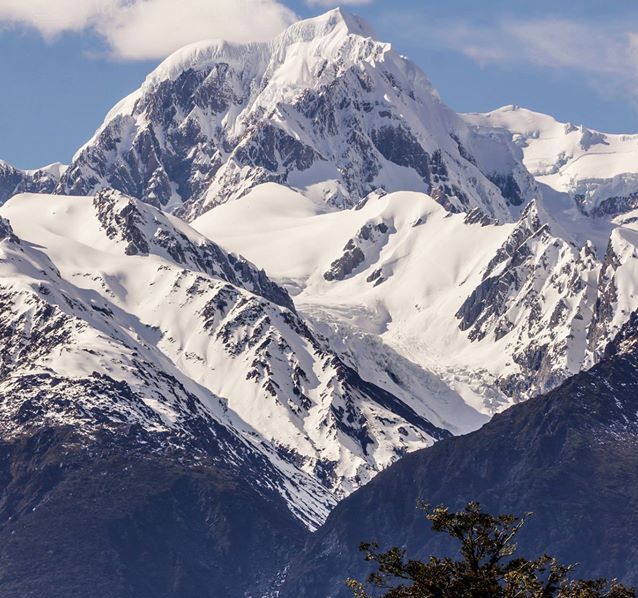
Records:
x=487, y=567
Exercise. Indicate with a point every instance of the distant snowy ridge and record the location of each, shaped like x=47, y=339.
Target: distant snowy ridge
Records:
x=14, y=180
x=599, y=170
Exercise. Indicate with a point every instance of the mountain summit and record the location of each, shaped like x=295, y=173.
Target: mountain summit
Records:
x=324, y=108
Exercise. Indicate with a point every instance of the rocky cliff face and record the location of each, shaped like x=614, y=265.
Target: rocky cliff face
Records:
x=538, y=293
x=323, y=108
x=13, y=180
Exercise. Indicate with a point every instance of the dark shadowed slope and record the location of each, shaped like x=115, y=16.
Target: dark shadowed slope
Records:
x=570, y=456
x=113, y=520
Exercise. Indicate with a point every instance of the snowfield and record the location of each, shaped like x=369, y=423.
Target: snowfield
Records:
x=109, y=289
x=499, y=312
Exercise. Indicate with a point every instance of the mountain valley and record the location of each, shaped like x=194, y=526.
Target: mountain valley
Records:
x=283, y=292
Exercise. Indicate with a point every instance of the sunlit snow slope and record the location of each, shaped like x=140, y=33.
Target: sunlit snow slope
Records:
x=498, y=312
x=114, y=313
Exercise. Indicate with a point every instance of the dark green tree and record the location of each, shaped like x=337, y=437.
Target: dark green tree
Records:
x=488, y=567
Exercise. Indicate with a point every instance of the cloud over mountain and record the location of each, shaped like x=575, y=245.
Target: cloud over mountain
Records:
x=149, y=29
x=605, y=51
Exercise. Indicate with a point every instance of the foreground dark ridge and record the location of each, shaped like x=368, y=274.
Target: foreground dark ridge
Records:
x=111, y=520
x=571, y=457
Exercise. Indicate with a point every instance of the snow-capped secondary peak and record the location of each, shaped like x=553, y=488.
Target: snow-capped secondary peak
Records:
x=598, y=170
x=54, y=170
x=41, y=180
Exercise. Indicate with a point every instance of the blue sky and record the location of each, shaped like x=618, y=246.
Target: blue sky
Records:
x=62, y=70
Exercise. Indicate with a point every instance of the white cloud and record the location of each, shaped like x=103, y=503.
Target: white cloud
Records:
x=141, y=29
x=51, y=18
x=554, y=43
x=605, y=52
x=329, y=3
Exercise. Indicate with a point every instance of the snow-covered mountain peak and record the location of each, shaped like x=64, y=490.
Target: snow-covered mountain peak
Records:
x=530, y=127
x=54, y=170
x=334, y=23
x=324, y=32
x=323, y=108
x=533, y=215
x=321, y=37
